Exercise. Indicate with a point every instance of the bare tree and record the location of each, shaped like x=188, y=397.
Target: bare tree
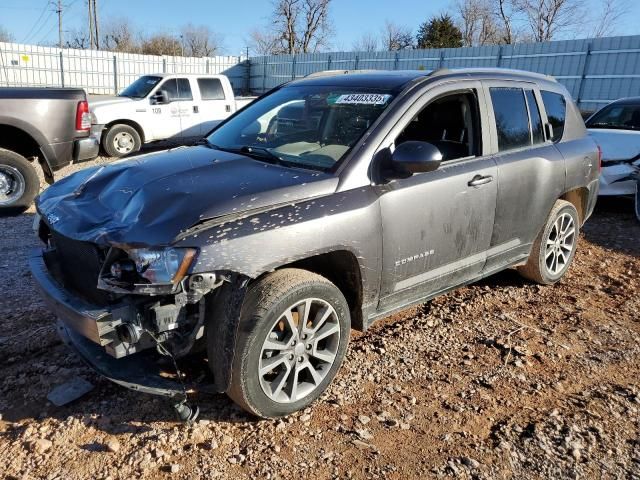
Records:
x=78, y=38
x=366, y=43
x=546, y=18
x=161, y=44
x=301, y=26
x=5, y=36
x=478, y=23
x=506, y=10
x=199, y=41
x=607, y=19
x=264, y=43
x=396, y=37
x=118, y=35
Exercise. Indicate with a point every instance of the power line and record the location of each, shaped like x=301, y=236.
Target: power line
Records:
x=44, y=10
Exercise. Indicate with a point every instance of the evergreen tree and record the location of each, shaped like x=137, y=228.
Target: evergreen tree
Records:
x=439, y=32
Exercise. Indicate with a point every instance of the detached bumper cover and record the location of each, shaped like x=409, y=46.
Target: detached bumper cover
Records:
x=140, y=372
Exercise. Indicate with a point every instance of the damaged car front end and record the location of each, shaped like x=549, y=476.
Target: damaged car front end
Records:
x=616, y=130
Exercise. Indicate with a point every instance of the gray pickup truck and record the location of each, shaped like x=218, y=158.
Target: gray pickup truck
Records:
x=328, y=203
x=49, y=127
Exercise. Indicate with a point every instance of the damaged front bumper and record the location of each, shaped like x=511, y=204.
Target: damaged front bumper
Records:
x=619, y=178
x=92, y=332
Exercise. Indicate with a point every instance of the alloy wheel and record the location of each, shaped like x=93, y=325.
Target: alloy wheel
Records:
x=299, y=350
x=560, y=244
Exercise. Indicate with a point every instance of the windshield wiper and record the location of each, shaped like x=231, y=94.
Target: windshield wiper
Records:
x=262, y=153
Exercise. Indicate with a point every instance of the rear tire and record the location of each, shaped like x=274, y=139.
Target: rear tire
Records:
x=121, y=140
x=293, y=335
x=19, y=183
x=555, y=246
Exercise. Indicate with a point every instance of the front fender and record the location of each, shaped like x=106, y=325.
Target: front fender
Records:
x=265, y=241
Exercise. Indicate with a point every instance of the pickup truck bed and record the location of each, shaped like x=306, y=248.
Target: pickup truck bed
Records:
x=39, y=126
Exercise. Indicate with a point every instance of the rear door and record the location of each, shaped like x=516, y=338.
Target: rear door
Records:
x=214, y=104
x=531, y=171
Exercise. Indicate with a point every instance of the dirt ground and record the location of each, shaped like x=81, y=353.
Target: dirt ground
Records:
x=502, y=379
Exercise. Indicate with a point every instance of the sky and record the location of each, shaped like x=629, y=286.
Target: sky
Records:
x=31, y=21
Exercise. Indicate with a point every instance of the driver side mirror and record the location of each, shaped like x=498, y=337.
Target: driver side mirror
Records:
x=161, y=97
x=415, y=157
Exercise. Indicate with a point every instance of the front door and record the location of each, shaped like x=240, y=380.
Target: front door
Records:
x=178, y=120
x=437, y=226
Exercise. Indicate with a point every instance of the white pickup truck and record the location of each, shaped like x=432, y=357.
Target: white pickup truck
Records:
x=175, y=107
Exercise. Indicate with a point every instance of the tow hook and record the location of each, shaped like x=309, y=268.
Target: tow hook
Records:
x=186, y=412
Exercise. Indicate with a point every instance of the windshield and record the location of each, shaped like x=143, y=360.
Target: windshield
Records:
x=141, y=87
x=626, y=117
x=303, y=126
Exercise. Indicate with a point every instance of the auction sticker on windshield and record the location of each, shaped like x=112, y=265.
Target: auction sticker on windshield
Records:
x=363, y=99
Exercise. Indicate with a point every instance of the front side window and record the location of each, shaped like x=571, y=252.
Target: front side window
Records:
x=450, y=123
x=512, y=118
x=177, y=89
x=617, y=116
x=309, y=126
x=556, y=107
x=211, y=89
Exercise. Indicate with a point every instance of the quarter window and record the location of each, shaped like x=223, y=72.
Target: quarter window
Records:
x=211, y=89
x=178, y=89
x=512, y=118
x=556, y=108
x=536, y=121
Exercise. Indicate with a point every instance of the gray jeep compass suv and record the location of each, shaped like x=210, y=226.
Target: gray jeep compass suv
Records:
x=326, y=204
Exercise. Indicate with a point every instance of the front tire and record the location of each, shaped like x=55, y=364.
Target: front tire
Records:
x=121, y=140
x=293, y=334
x=555, y=246
x=19, y=183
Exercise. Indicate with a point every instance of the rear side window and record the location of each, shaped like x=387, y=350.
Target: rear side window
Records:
x=556, y=108
x=536, y=121
x=211, y=89
x=512, y=118
x=178, y=89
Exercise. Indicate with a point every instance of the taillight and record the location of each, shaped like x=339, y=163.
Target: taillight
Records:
x=83, y=118
x=599, y=159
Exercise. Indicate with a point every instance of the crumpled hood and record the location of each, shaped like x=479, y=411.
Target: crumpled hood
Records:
x=617, y=145
x=149, y=200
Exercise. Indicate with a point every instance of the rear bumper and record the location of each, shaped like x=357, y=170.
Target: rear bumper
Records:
x=594, y=188
x=86, y=149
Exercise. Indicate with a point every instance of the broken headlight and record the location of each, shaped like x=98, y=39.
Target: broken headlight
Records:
x=162, y=265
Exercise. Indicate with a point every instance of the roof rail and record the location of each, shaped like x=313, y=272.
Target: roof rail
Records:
x=332, y=73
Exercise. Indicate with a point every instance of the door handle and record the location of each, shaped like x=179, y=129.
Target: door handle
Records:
x=196, y=109
x=480, y=180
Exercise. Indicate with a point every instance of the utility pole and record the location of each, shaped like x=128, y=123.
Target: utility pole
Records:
x=95, y=22
x=59, y=12
x=90, y=8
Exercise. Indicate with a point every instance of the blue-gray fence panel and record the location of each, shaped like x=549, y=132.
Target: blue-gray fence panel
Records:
x=595, y=71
